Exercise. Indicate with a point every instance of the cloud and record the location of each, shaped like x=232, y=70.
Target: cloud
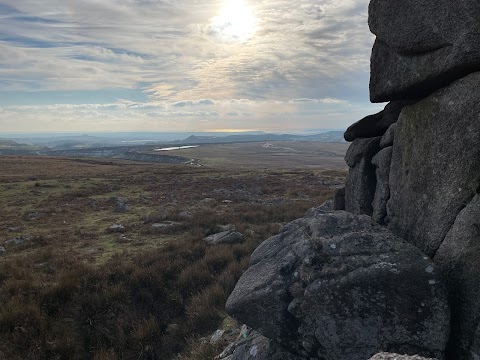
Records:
x=200, y=102
x=303, y=57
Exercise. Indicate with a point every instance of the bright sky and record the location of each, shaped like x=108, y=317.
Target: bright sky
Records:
x=183, y=65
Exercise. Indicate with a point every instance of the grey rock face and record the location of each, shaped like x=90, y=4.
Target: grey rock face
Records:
x=225, y=237
x=435, y=163
x=388, y=137
x=377, y=124
x=422, y=45
x=390, y=356
x=382, y=192
x=258, y=347
x=339, y=199
x=327, y=206
x=361, y=179
x=338, y=286
x=458, y=259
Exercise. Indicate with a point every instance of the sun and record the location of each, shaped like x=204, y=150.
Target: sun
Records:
x=236, y=22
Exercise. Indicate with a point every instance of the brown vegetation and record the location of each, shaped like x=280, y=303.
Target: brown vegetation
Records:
x=72, y=290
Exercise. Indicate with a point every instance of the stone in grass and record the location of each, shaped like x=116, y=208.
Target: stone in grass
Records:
x=2, y=250
x=225, y=237
x=165, y=224
x=116, y=228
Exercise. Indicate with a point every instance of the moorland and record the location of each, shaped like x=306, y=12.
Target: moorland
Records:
x=106, y=259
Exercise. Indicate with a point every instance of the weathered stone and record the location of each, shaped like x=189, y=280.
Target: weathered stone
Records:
x=258, y=347
x=458, y=258
x=116, y=228
x=390, y=356
x=225, y=237
x=338, y=286
x=389, y=137
x=165, y=224
x=327, y=206
x=361, y=179
x=339, y=199
x=377, y=124
x=421, y=46
x=382, y=192
x=2, y=250
x=435, y=164
x=121, y=205
x=185, y=215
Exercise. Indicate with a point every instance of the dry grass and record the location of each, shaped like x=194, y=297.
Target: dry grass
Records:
x=73, y=290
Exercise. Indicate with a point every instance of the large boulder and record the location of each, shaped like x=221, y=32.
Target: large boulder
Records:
x=458, y=259
x=421, y=46
x=376, y=124
x=435, y=163
x=338, y=286
x=361, y=180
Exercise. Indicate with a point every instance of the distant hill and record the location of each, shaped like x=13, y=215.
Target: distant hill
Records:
x=9, y=143
x=331, y=136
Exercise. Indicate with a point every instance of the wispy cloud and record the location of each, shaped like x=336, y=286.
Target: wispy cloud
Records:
x=307, y=57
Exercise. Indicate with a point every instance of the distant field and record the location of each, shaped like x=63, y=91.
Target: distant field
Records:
x=72, y=289
x=288, y=154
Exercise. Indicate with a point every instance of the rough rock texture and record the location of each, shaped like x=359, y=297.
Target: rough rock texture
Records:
x=389, y=137
x=338, y=286
x=258, y=347
x=458, y=259
x=339, y=199
x=376, y=124
x=361, y=179
x=225, y=237
x=435, y=164
x=390, y=356
x=382, y=192
x=421, y=46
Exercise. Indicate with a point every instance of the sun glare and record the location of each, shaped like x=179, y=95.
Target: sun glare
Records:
x=236, y=22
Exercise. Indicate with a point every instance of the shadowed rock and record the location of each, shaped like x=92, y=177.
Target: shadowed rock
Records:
x=389, y=136
x=361, y=179
x=458, y=260
x=339, y=199
x=421, y=46
x=382, y=192
x=376, y=124
x=338, y=286
x=435, y=164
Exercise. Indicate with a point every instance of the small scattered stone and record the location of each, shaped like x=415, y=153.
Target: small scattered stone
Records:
x=2, y=250
x=225, y=237
x=165, y=224
x=18, y=240
x=36, y=215
x=217, y=335
x=116, y=228
x=185, y=215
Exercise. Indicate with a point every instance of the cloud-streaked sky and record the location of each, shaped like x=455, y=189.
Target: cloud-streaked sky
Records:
x=183, y=65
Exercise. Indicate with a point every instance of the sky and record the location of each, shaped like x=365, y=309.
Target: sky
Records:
x=183, y=65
